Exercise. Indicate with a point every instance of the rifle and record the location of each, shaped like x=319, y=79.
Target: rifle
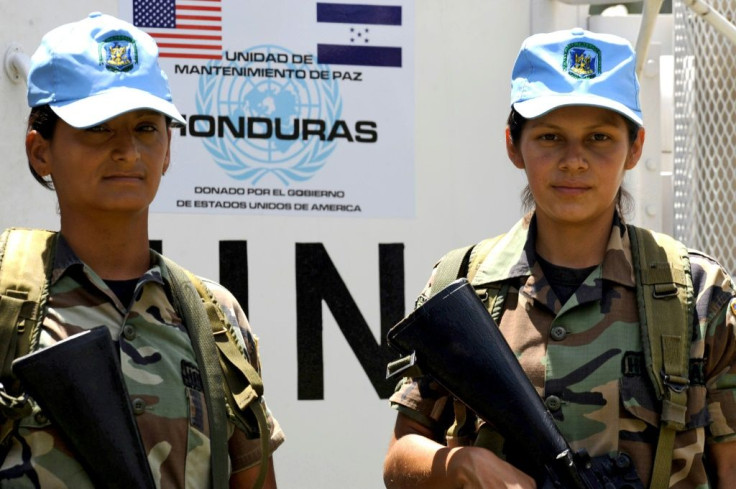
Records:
x=453, y=338
x=78, y=385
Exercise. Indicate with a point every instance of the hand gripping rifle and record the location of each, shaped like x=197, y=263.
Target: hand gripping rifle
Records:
x=78, y=385
x=452, y=338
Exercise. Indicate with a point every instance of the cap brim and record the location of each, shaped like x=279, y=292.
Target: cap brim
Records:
x=98, y=108
x=539, y=106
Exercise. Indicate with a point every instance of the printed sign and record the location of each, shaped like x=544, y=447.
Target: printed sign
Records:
x=293, y=107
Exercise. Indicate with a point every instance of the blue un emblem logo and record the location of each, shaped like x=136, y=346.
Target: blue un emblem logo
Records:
x=269, y=125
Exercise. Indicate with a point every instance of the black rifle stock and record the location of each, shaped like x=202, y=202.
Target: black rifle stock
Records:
x=454, y=340
x=78, y=385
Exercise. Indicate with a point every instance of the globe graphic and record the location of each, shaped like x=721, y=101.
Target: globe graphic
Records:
x=276, y=109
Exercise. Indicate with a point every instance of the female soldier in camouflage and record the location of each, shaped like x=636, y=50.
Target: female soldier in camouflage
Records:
x=570, y=310
x=99, y=135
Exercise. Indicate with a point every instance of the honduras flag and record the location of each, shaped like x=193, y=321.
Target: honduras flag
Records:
x=360, y=26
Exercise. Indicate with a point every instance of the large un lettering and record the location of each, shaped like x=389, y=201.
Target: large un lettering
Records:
x=207, y=126
x=318, y=281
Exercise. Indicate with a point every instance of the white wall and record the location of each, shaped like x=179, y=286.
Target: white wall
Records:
x=466, y=190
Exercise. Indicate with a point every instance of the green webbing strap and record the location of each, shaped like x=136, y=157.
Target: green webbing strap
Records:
x=10, y=310
x=26, y=256
x=663, y=458
x=493, y=295
x=245, y=386
x=461, y=418
x=188, y=302
x=457, y=263
x=664, y=296
x=23, y=289
x=223, y=362
x=451, y=268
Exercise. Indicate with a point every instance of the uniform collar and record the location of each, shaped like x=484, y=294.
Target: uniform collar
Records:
x=66, y=261
x=514, y=255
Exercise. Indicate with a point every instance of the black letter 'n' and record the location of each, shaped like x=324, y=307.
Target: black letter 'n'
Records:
x=317, y=279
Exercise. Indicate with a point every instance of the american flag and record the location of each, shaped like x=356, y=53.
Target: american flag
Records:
x=182, y=28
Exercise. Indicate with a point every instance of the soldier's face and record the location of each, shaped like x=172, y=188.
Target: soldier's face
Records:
x=575, y=159
x=115, y=166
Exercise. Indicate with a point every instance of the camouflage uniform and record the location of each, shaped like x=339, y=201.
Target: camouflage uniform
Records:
x=573, y=354
x=153, y=345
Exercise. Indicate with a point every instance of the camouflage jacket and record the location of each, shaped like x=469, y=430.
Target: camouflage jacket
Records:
x=597, y=405
x=153, y=345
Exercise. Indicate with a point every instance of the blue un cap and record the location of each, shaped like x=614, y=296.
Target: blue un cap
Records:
x=96, y=69
x=575, y=67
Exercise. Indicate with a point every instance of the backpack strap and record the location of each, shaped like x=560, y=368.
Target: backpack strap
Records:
x=457, y=263
x=224, y=365
x=23, y=288
x=453, y=266
x=665, y=301
x=26, y=256
x=493, y=295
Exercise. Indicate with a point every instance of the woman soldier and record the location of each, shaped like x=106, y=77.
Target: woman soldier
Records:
x=570, y=306
x=99, y=135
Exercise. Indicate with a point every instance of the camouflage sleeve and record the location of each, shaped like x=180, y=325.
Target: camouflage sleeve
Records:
x=716, y=316
x=721, y=361
x=244, y=453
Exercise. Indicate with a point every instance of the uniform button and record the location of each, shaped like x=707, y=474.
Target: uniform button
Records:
x=558, y=333
x=553, y=403
x=139, y=405
x=129, y=332
x=40, y=418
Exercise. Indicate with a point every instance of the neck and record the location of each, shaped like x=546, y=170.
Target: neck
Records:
x=115, y=248
x=573, y=246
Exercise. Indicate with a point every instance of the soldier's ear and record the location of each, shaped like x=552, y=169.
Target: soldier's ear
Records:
x=636, y=150
x=38, y=153
x=513, y=151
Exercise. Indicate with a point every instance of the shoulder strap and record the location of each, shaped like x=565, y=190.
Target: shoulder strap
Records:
x=665, y=301
x=26, y=256
x=465, y=262
x=457, y=263
x=493, y=295
x=26, y=261
x=227, y=374
x=453, y=266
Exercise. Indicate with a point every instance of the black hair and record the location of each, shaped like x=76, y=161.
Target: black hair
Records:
x=516, y=123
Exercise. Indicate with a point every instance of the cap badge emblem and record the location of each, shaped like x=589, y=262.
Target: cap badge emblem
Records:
x=118, y=53
x=582, y=60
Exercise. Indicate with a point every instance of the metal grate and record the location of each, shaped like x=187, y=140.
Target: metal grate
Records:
x=705, y=134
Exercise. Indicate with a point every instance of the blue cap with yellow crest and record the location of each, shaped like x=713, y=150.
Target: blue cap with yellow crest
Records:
x=96, y=69
x=575, y=67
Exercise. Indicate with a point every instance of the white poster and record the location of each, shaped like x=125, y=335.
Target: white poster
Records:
x=293, y=107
